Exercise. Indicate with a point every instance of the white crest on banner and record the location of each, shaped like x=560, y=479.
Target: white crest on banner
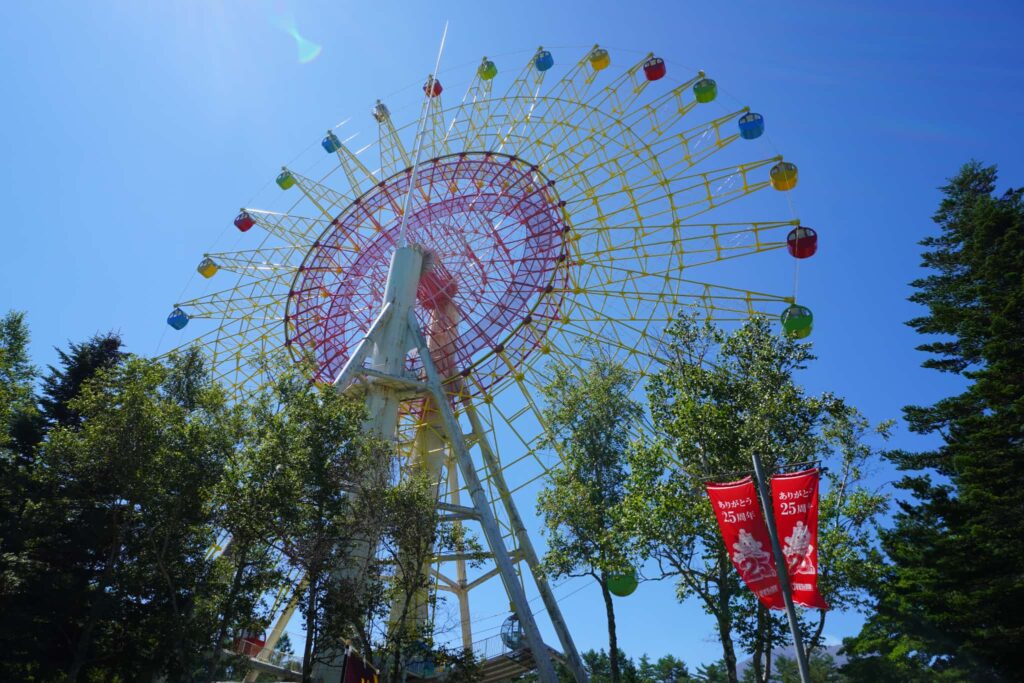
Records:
x=752, y=560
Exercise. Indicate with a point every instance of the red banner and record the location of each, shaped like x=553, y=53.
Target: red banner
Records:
x=795, y=503
x=746, y=538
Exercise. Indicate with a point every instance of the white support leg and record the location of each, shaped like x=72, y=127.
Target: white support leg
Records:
x=492, y=533
x=387, y=343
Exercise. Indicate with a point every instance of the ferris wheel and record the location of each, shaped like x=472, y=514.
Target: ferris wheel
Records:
x=487, y=239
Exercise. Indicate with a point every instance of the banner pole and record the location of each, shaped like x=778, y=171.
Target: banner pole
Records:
x=783, y=571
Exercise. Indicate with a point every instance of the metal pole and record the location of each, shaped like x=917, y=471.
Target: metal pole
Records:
x=418, y=141
x=781, y=568
x=460, y=565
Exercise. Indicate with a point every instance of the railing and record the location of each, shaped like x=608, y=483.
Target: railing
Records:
x=490, y=647
x=277, y=658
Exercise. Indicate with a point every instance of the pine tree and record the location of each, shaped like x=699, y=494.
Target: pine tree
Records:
x=78, y=364
x=953, y=605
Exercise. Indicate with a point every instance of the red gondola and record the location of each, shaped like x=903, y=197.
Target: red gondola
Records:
x=802, y=242
x=432, y=91
x=654, y=68
x=244, y=221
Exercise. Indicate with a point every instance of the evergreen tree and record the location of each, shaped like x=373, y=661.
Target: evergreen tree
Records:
x=41, y=552
x=715, y=672
x=822, y=668
x=598, y=664
x=667, y=669
x=78, y=364
x=115, y=528
x=953, y=604
x=20, y=423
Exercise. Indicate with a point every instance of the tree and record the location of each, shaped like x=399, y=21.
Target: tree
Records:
x=118, y=523
x=361, y=533
x=41, y=562
x=18, y=423
x=317, y=438
x=80, y=363
x=822, y=668
x=667, y=669
x=953, y=603
x=720, y=399
x=284, y=646
x=138, y=474
x=591, y=416
x=252, y=497
x=599, y=666
x=715, y=672
x=19, y=417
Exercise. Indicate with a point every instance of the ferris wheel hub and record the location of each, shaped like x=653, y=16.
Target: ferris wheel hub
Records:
x=492, y=229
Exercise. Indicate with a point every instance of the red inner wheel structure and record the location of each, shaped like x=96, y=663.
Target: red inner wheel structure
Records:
x=494, y=231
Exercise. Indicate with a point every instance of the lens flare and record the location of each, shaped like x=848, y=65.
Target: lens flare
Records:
x=308, y=50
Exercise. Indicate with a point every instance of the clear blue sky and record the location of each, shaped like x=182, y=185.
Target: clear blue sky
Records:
x=132, y=131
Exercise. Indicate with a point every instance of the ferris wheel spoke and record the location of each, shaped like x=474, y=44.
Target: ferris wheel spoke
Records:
x=256, y=263
x=571, y=87
x=664, y=112
x=702, y=195
x=516, y=106
x=393, y=155
x=356, y=172
x=709, y=184
x=469, y=119
x=701, y=244
x=295, y=230
x=620, y=94
x=327, y=201
x=674, y=154
x=227, y=304
x=435, y=139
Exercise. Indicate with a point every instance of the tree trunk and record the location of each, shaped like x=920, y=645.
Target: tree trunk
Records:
x=724, y=617
x=728, y=651
x=613, y=641
x=307, y=654
x=755, y=660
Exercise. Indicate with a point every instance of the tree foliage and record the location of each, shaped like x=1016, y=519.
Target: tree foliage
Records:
x=952, y=606
x=114, y=527
x=147, y=521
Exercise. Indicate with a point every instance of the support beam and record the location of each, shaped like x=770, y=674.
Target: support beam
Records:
x=462, y=594
x=482, y=579
x=362, y=350
x=457, y=510
x=492, y=533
